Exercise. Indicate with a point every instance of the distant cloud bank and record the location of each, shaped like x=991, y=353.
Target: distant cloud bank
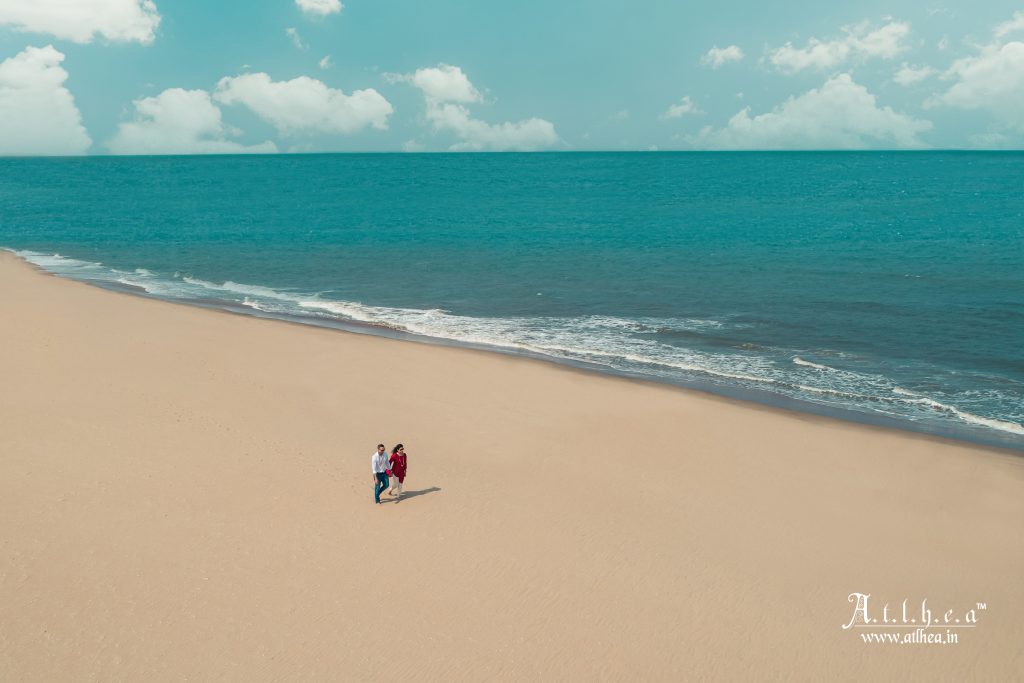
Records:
x=841, y=114
x=447, y=90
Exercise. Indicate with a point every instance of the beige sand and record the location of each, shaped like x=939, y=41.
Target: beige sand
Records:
x=186, y=494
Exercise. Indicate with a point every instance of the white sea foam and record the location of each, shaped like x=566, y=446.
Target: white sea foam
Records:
x=992, y=423
x=253, y=304
x=155, y=286
x=837, y=392
x=592, y=339
x=806, y=363
x=56, y=262
x=1001, y=425
x=131, y=283
x=239, y=288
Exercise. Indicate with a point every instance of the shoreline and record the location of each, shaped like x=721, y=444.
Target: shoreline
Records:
x=187, y=494
x=730, y=395
x=963, y=432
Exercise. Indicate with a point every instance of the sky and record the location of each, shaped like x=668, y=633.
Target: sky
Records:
x=195, y=77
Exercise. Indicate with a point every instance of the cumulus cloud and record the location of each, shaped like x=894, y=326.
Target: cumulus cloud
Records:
x=444, y=83
x=446, y=90
x=992, y=80
x=179, y=121
x=682, y=108
x=841, y=114
x=522, y=136
x=909, y=75
x=859, y=42
x=717, y=56
x=82, y=20
x=305, y=104
x=319, y=8
x=38, y=115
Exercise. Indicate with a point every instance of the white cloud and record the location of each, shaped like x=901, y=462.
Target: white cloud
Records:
x=179, y=121
x=992, y=80
x=839, y=115
x=909, y=75
x=446, y=90
x=305, y=104
x=990, y=141
x=680, y=109
x=717, y=56
x=444, y=83
x=621, y=115
x=320, y=8
x=38, y=115
x=293, y=35
x=1012, y=26
x=860, y=42
x=475, y=135
x=325, y=63
x=884, y=43
x=82, y=20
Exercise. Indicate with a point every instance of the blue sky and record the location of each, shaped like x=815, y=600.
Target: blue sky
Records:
x=137, y=76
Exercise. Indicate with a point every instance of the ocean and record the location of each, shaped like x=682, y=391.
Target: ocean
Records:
x=878, y=287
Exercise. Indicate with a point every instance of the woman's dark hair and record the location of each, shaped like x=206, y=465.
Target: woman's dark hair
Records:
x=395, y=449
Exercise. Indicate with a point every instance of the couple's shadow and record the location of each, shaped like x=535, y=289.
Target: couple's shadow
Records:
x=410, y=494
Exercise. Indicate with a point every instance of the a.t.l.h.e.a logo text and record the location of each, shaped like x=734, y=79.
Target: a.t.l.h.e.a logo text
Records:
x=907, y=615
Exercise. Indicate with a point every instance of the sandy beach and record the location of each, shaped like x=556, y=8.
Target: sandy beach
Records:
x=186, y=494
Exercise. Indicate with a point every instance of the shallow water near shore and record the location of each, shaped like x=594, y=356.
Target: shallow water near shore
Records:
x=883, y=287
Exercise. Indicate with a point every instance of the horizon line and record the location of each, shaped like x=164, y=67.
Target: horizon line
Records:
x=959, y=150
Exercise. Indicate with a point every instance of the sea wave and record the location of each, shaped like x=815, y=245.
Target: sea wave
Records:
x=806, y=363
x=253, y=304
x=992, y=423
x=239, y=288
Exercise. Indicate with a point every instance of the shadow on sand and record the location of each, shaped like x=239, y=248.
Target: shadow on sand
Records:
x=411, y=494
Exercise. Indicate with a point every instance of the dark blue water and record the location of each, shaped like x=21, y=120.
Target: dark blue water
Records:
x=885, y=286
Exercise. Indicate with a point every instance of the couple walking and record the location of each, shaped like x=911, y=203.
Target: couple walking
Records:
x=385, y=465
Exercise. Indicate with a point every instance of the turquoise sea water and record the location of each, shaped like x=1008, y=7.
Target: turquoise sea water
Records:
x=882, y=287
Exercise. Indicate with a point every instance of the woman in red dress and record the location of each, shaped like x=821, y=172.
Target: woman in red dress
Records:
x=399, y=465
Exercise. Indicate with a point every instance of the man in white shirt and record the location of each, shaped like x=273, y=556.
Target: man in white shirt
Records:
x=380, y=472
